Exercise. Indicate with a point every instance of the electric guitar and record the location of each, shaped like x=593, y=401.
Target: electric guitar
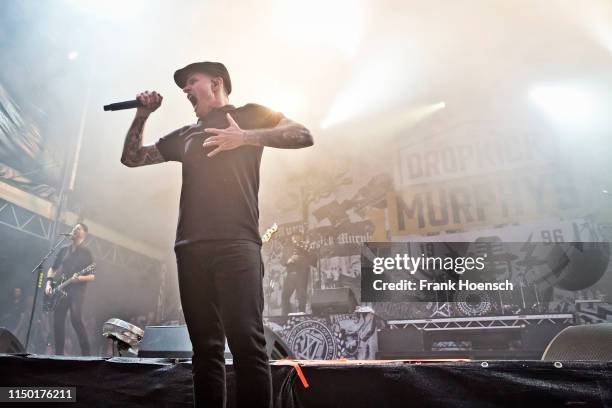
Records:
x=269, y=232
x=59, y=292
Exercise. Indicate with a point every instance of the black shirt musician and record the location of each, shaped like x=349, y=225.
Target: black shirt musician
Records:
x=298, y=272
x=71, y=260
x=218, y=248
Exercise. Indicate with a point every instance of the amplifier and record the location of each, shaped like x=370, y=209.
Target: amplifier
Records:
x=333, y=301
x=174, y=342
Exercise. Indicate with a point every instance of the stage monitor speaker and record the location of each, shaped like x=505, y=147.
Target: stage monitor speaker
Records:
x=174, y=342
x=165, y=341
x=585, y=342
x=9, y=344
x=400, y=340
x=536, y=337
x=333, y=301
x=276, y=347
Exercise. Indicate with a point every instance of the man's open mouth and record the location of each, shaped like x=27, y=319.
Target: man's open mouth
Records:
x=192, y=99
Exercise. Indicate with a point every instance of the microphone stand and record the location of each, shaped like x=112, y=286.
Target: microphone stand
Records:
x=39, y=279
x=68, y=181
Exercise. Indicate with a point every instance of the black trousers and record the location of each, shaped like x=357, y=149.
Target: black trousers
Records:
x=220, y=283
x=296, y=281
x=73, y=303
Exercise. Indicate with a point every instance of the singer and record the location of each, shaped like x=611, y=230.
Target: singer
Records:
x=217, y=245
x=69, y=261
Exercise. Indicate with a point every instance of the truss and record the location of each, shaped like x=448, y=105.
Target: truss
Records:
x=479, y=323
x=31, y=223
x=23, y=220
x=103, y=250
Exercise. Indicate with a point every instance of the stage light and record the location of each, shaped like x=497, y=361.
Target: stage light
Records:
x=394, y=119
x=416, y=114
x=567, y=105
x=286, y=101
x=370, y=87
x=73, y=55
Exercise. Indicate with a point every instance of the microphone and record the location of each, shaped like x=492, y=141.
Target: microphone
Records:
x=71, y=233
x=123, y=105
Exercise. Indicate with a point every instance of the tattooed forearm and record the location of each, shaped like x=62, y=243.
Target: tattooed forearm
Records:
x=134, y=153
x=133, y=142
x=287, y=135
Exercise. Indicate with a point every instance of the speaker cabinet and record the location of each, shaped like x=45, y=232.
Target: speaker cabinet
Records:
x=174, y=342
x=9, y=343
x=333, y=301
x=591, y=342
x=400, y=340
x=165, y=341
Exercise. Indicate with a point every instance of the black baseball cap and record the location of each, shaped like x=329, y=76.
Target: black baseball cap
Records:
x=216, y=69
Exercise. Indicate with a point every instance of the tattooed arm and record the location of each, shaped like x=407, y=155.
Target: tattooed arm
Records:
x=286, y=135
x=134, y=153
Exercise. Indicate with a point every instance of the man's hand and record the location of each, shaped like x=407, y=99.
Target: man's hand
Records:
x=226, y=139
x=134, y=153
x=150, y=102
x=75, y=277
x=48, y=289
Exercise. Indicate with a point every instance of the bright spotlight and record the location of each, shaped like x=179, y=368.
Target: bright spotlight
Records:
x=383, y=80
x=73, y=55
x=566, y=104
x=397, y=119
x=360, y=95
x=287, y=102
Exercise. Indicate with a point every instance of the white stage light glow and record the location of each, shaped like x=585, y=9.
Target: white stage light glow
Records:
x=285, y=101
x=395, y=119
x=567, y=105
x=353, y=101
x=416, y=114
x=72, y=55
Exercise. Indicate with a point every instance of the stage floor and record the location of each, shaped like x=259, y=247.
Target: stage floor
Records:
x=135, y=382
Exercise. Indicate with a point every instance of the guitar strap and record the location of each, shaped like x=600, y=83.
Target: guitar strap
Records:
x=67, y=275
x=64, y=256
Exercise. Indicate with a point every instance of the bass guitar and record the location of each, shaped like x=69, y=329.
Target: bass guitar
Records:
x=59, y=290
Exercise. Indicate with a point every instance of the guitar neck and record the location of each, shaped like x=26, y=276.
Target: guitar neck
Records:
x=64, y=284
x=71, y=280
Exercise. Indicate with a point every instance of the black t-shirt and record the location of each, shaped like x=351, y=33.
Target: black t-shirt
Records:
x=301, y=258
x=219, y=196
x=71, y=263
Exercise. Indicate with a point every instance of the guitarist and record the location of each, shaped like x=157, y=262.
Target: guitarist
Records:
x=70, y=260
x=298, y=272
